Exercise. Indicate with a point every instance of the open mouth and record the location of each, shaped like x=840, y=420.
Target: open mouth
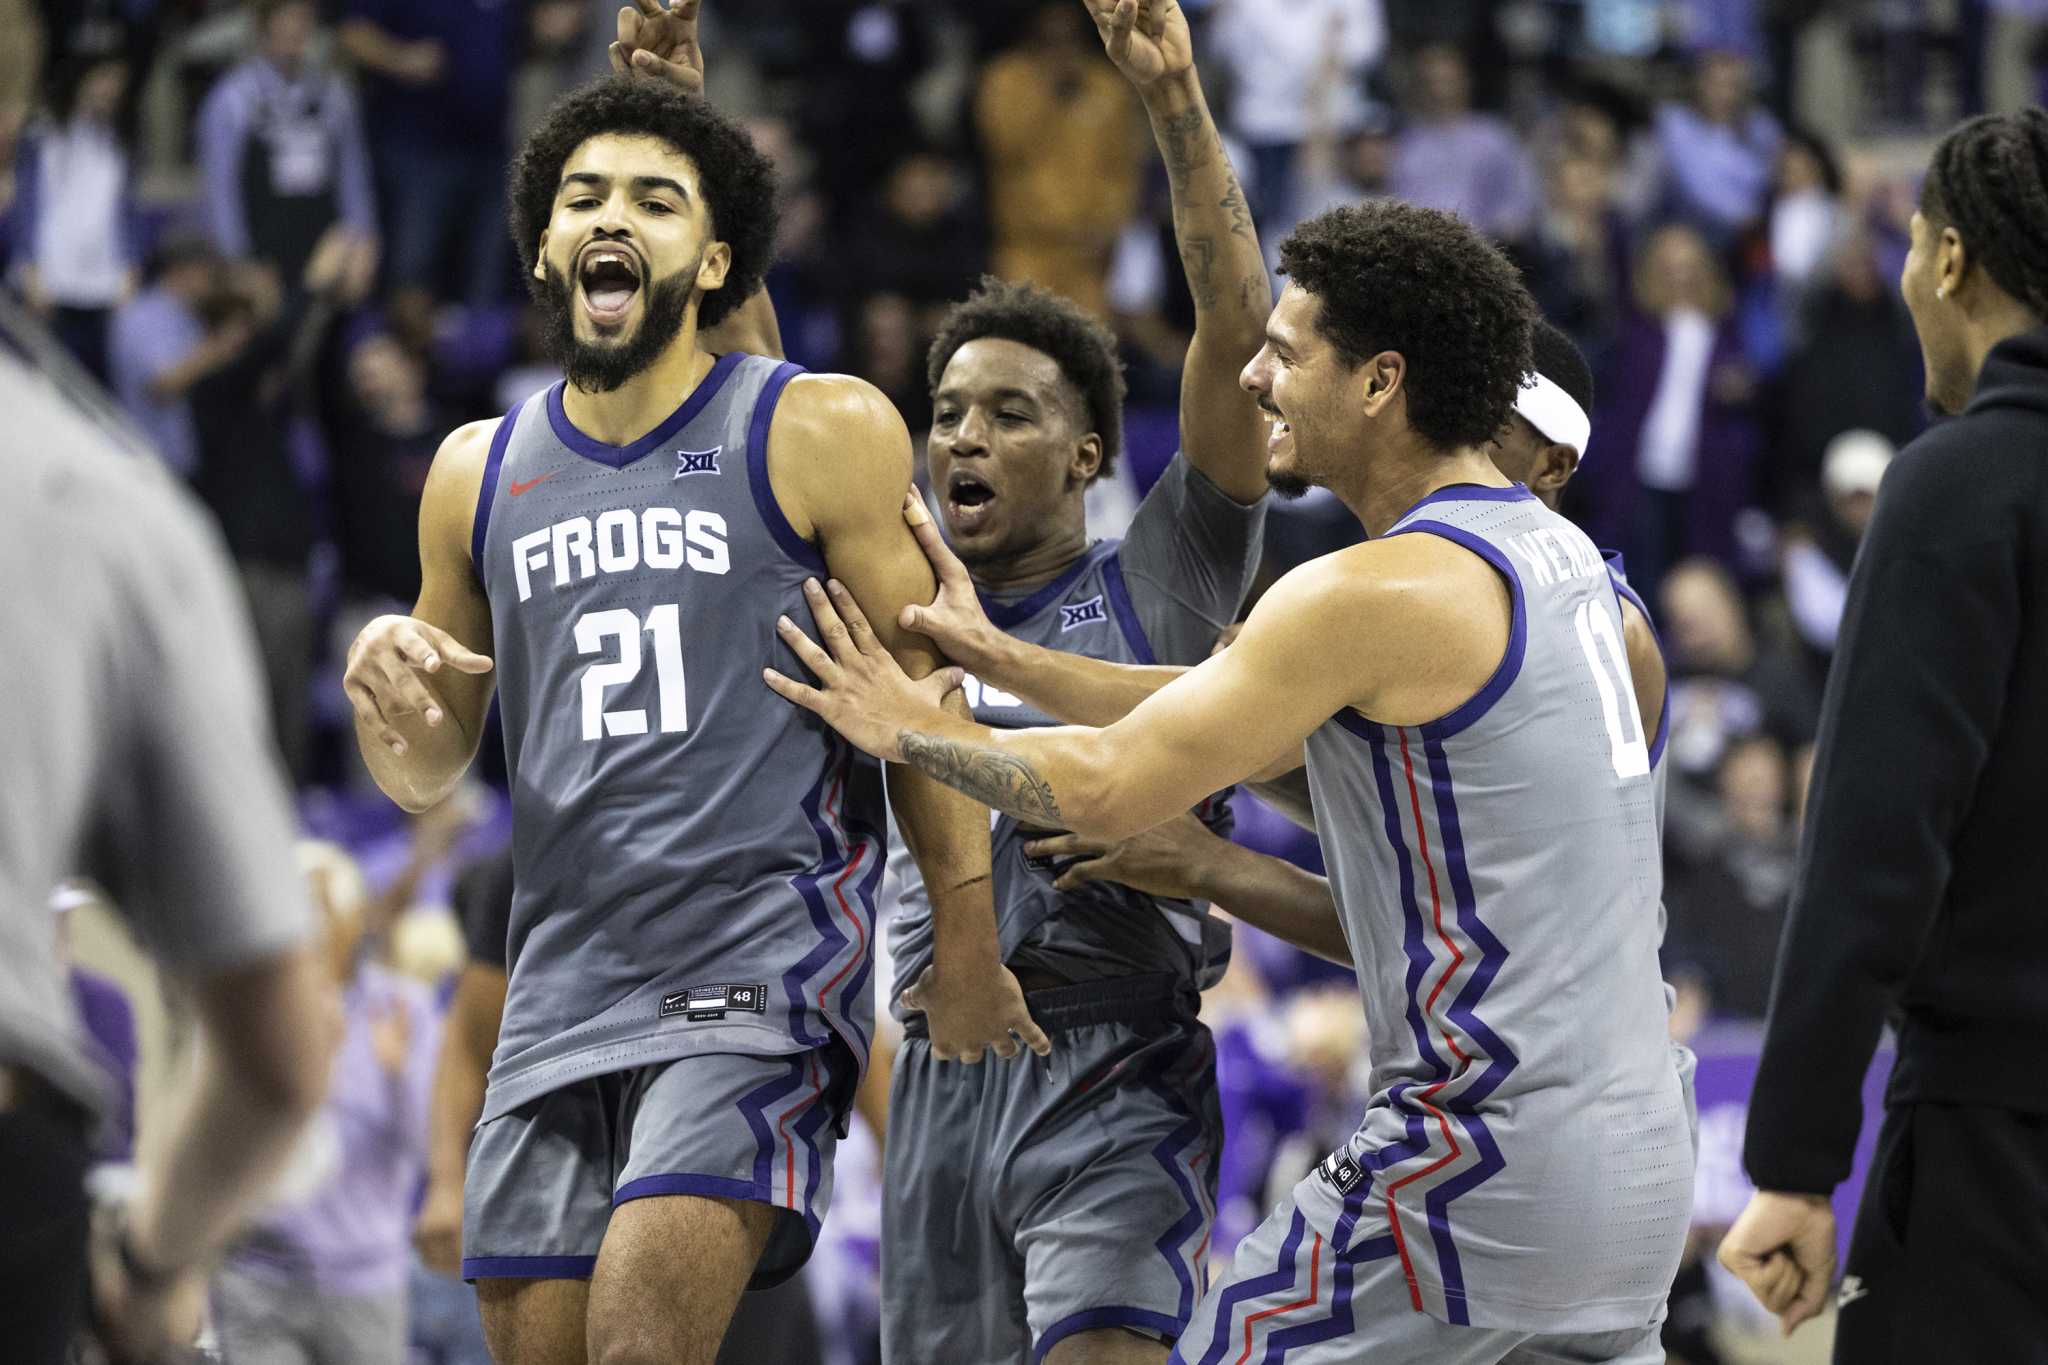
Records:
x=967, y=500
x=1280, y=431
x=609, y=277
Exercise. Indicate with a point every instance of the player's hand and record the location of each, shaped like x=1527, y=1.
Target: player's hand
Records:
x=388, y=668
x=1783, y=1248
x=966, y=1013
x=437, y=1232
x=135, y=1325
x=863, y=693
x=954, y=621
x=1147, y=39
x=660, y=39
x=1163, y=861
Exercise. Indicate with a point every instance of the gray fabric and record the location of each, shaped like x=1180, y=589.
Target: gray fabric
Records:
x=543, y=1179
x=1499, y=878
x=136, y=741
x=1307, y=1291
x=681, y=828
x=263, y=1321
x=1161, y=595
x=1028, y=1200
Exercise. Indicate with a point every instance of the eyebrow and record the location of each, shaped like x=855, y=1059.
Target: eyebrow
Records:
x=999, y=395
x=638, y=182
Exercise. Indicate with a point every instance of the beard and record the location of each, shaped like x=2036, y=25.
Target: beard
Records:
x=601, y=368
x=1288, y=486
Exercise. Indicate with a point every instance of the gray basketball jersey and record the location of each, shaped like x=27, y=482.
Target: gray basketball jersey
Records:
x=695, y=860
x=1163, y=594
x=1526, y=1150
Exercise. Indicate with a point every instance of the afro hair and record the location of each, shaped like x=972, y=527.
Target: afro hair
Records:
x=1030, y=316
x=737, y=180
x=1394, y=277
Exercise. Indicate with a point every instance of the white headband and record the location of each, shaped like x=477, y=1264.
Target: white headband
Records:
x=1554, y=412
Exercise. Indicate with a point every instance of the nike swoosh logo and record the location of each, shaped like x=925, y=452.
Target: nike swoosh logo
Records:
x=515, y=488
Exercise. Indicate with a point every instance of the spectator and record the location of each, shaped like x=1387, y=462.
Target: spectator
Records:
x=1819, y=554
x=324, y=1278
x=1724, y=686
x=438, y=83
x=1726, y=885
x=1060, y=134
x=1450, y=157
x=79, y=254
x=1806, y=211
x=921, y=240
x=161, y=347
x=1675, y=458
x=281, y=148
x=1718, y=151
x=383, y=435
x=1294, y=64
x=1575, y=259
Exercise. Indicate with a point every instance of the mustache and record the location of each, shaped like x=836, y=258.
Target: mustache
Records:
x=601, y=368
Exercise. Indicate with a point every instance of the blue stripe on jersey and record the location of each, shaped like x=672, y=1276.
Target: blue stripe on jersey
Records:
x=1274, y=1282
x=618, y=457
x=1518, y=628
x=793, y=545
x=487, y=492
x=1126, y=614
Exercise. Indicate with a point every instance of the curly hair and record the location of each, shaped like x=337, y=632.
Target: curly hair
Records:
x=1083, y=348
x=1989, y=181
x=1393, y=277
x=737, y=180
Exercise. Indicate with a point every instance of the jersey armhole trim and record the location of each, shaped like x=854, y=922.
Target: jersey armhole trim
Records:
x=1465, y=716
x=793, y=545
x=1623, y=592
x=1126, y=614
x=487, y=492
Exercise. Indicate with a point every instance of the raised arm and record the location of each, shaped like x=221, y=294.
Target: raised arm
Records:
x=420, y=684
x=1222, y=432
x=839, y=463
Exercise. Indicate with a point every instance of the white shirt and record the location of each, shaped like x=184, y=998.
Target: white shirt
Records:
x=1276, y=49
x=79, y=251
x=1667, y=458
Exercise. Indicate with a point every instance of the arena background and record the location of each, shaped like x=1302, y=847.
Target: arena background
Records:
x=1742, y=168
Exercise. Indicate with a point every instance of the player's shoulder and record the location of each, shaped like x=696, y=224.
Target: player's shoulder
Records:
x=846, y=416
x=828, y=404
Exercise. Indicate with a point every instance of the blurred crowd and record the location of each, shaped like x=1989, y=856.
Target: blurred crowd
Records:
x=274, y=230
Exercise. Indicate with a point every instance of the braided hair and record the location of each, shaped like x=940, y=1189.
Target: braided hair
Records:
x=1989, y=182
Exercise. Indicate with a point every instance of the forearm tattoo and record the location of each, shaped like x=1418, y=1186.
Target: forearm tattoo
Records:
x=996, y=779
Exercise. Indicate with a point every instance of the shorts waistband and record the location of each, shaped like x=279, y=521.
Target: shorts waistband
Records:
x=1116, y=1000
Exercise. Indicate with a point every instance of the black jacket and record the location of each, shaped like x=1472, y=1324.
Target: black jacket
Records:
x=1923, y=880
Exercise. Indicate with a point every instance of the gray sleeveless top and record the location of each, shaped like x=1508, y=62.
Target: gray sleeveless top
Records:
x=695, y=860
x=1527, y=1149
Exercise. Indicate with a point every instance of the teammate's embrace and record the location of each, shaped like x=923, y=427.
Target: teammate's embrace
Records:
x=691, y=934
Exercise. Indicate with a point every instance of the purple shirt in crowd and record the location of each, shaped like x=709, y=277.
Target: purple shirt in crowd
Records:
x=152, y=332
x=353, y=1235
x=1472, y=165
x=1716, y=177
x=110, y=1024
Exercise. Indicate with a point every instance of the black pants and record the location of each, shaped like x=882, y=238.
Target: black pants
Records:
x=44, y=1216
x=1949, y=1260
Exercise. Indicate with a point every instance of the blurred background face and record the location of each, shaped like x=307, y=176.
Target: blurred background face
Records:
x=1722, y=84
x=99, y=93
x=1799, y=170
x=288, y=35
x=1579, y=185
x=1006, y=439
x=921, y=190
x=1704, y=622
x=1678, y=272
x=1753, y=783
x=1443, y=86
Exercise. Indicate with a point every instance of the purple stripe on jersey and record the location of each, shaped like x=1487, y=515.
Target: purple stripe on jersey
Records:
x=1095, y=1319
x=1126, y=614
x=1518, y=630
x=1501, y=1058
x=528, y=1267
x=1274, y=1282
x=1412, y=939
x=793, y=545
x=487, y=492
x=1622, y=590
x=684, y=1182
x=618, y=457
x=807, y=1127
x=832, y=858
x=1465, y=492
x=1166, y=1153
x=1010, y=615
x=753, y=1107
x=1339, y=1323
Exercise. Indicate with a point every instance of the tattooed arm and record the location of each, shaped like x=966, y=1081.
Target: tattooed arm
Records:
x=1222, y=431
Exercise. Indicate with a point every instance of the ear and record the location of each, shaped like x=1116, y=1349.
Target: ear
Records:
x=540, y=257
x=1554, y=469
x=1380, y=379
x=1951, y=262
x=1087, y=461
x=716, y=265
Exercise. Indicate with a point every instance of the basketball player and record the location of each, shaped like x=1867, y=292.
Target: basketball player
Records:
x=1482, y=782
x=1063, y=1213
x=691, y=930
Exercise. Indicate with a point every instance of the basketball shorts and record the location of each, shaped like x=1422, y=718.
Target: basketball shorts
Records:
x=1032, y=1199
x=544, y=1178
